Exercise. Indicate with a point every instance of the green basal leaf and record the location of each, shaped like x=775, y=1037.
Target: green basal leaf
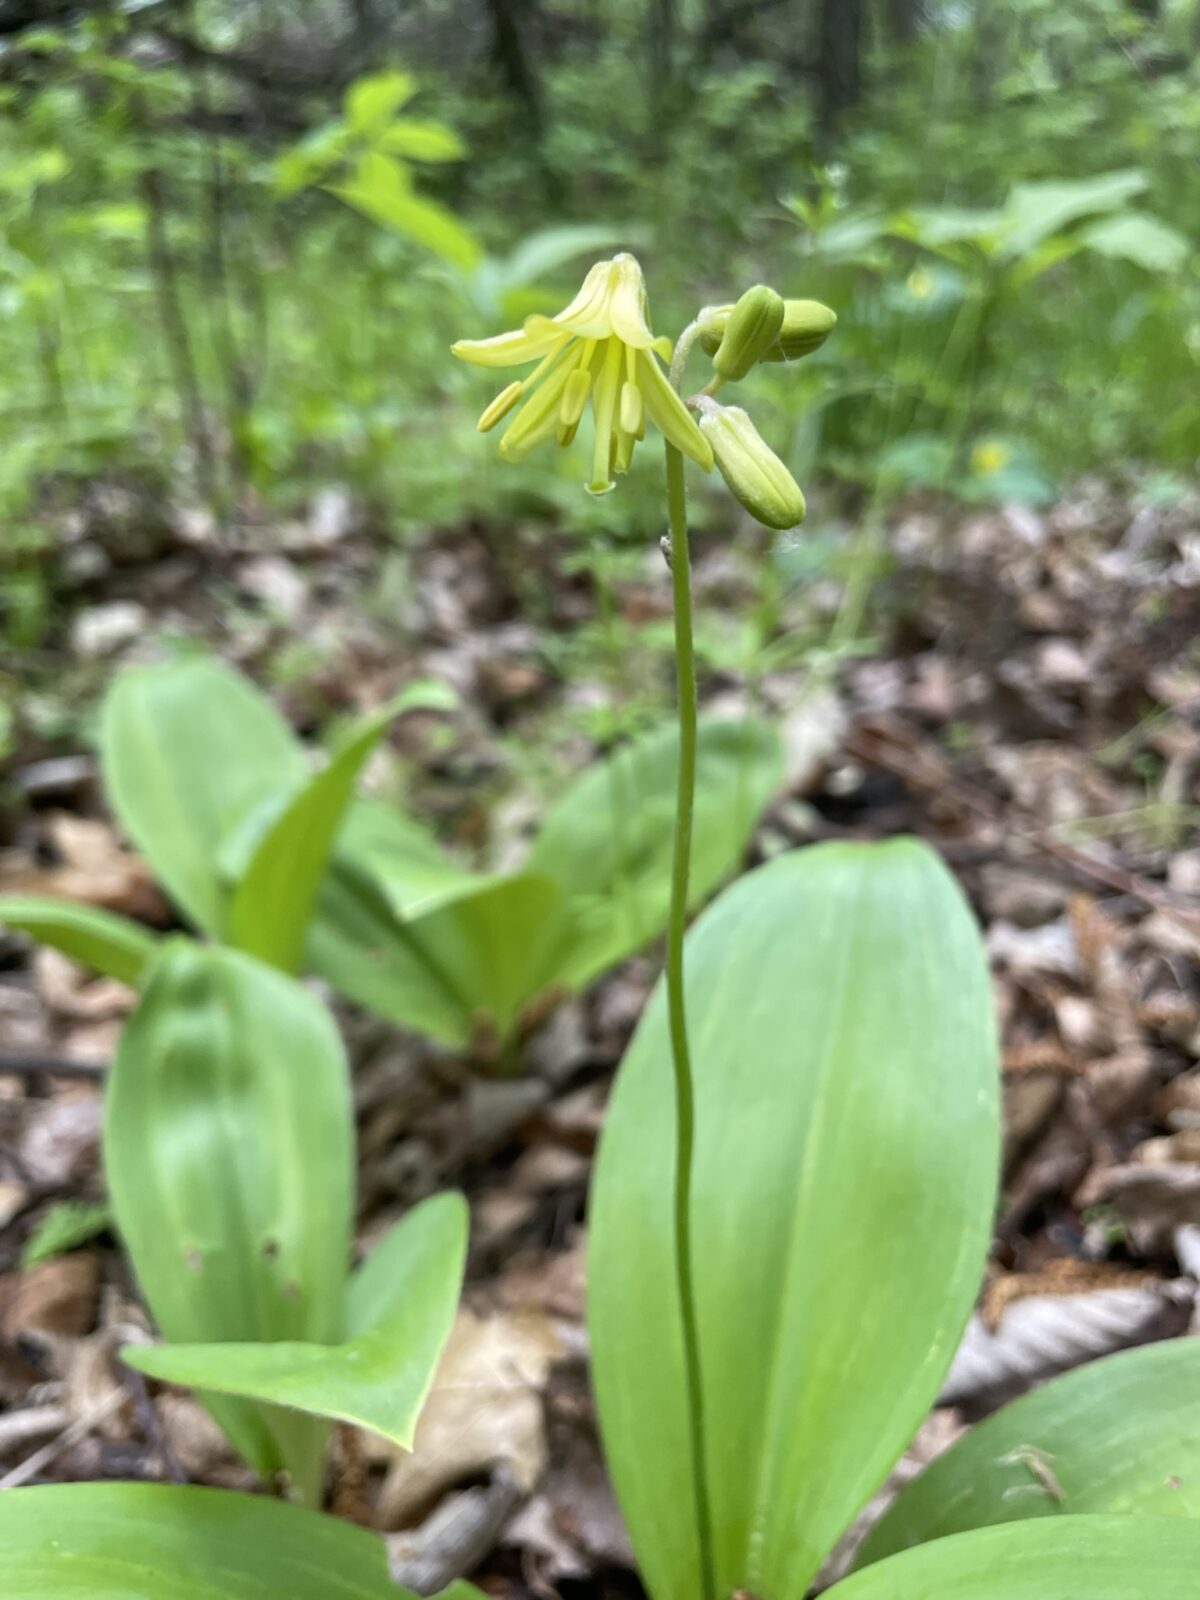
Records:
x=845, y=1067
x=189, y=750
x=113, y=945
x=499, y=946
x=273, y=903
x=608, y=841
x=357, y=945
x=399, y=1313
x=1065, y=1558
x=228, y=1153
x=407, y=866
x=380, y=1286
x=140, y=1541
x=1118, y=1435
x=416, y=938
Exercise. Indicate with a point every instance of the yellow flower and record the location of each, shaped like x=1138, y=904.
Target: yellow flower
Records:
x=922, y=284
x=990, y=456
x=600, y=348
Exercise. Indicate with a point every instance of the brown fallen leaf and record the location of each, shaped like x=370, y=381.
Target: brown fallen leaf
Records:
x=58, y=1147
x=572, y=1525
x=1173, y=1148
x=56, y=1297
x=70, y=990
x=485, y=1411
x=550, y=1281
x=1151, y=1200
x=1043, y=1335
x=90, y=866
x=197, y=1443
x=1064, y=1275
x=455, y=1536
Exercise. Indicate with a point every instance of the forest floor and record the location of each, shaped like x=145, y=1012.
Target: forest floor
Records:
x=1032, y=707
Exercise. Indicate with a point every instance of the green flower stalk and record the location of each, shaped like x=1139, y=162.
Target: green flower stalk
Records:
x=601, y=351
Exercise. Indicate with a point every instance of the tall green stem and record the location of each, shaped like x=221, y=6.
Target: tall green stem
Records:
x=685, y=1105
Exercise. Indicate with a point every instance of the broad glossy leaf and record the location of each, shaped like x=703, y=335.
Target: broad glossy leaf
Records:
x=274, y=901
x=434, y=947
x=407, y=864
x=189, y=750
x=1118, y=1435
x=608, y=841
x=419, y=140
x=400, y=1313
x=1064, y=1558
x=381, y=189
x=467, y=968
x=387, y=873
x=547, y=249
x=140, y=1541
x=845, y=1067
x=371, y=102
x=938, y=226
x=1034, y=211
x=499, y=944
x=228, y=1153
x=116, y=946
x=1146, y=241
x=357, y=944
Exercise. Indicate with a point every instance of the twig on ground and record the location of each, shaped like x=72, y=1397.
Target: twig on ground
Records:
x=19, y=1428
x=72, y=1434
x=454, y=1539
x=31, y=1066
x=890, y=748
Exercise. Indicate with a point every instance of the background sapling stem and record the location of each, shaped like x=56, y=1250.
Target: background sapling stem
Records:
x=685, y=1112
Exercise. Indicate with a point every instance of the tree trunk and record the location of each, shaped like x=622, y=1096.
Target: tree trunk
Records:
x=839, y=59
x=508, y=48
x=903, y=18
x=176, y=337
x=660, y=68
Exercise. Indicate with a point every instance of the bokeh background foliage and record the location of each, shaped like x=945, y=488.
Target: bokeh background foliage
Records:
x=238, y=237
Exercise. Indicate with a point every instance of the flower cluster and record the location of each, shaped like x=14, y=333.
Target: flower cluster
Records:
x=600, y=351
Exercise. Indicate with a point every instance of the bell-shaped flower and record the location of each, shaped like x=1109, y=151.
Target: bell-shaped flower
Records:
x=599, y=350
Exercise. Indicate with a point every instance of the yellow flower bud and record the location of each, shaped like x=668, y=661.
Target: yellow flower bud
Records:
x=751, y=328
x=806, y=326
x=754, y=473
